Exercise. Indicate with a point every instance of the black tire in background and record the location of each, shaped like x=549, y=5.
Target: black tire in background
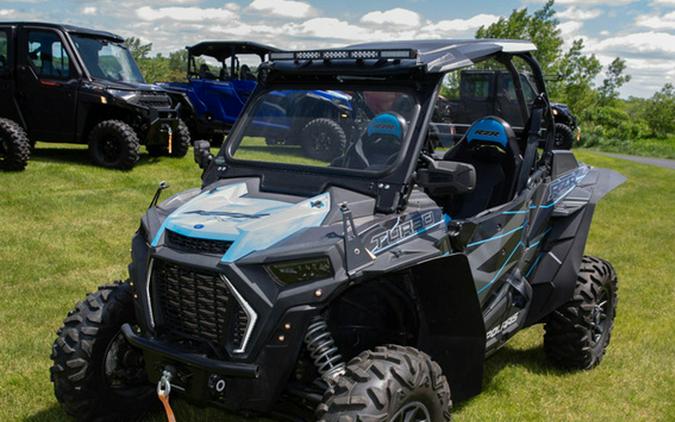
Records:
x=181, y=140
x=14, y=146
x=114, y=144
x=323, y=139
x=390, y=383
x=564, y=136
x=578, y=333
x=97, y=375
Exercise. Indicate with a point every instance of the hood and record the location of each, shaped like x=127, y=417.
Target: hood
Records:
x=251, y=223
x=128, y=86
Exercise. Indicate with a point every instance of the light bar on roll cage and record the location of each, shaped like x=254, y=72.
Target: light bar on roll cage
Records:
x=366, y=54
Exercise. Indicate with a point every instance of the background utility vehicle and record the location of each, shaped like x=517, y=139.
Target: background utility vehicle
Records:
x=370, y=286
x=486, y=92
x=219, y=84
x=70, y=84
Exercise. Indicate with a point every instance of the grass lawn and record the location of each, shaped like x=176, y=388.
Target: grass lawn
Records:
x=65, y=227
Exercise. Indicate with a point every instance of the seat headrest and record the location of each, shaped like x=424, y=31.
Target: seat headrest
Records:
x=387, y=124
x=491, y=130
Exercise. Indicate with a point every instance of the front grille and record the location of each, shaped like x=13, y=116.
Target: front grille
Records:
x=154, y=101
x=195, y=245
x=196, y=305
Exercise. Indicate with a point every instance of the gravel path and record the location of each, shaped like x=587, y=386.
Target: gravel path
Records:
x=660, y=162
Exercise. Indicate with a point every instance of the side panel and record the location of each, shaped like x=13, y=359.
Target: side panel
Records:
x=452, y=330
x=8, y=106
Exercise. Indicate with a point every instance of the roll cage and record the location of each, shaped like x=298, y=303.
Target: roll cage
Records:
x=416, y=65
x=224, y=51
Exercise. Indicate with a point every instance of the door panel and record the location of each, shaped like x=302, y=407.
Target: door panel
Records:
x=8, y=104
x=47, y=85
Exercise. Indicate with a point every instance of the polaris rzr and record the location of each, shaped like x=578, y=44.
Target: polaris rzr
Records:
x=61, y=83
x=221, y=78
x=370, y=286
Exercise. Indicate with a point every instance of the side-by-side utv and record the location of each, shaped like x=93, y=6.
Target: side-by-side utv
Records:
x=62, y=83
x=368, y=286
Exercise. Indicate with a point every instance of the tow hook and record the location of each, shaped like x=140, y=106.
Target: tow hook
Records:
x=170, y=139
x=163, y=391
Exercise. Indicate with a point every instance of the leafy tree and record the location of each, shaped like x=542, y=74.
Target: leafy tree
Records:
x=541, y=27
x=660, y=111
x=616, y=78
x=137, y=48
x=578, y=72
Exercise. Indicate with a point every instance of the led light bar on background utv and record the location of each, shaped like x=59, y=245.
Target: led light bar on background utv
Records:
x=368, y=54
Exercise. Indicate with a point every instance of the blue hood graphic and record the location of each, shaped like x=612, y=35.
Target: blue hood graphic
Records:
x=252, y=224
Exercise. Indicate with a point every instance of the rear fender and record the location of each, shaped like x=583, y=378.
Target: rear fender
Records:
x=554, y=279
x=451, y=329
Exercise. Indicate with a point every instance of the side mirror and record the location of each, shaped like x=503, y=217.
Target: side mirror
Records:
x=203, y=155
x=447, y=178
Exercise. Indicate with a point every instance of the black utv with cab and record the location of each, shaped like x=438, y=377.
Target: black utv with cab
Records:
x=371, y=286
x=61, y=83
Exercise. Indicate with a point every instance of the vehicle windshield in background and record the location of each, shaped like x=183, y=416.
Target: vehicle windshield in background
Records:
x=350, y=129
x=107, y=60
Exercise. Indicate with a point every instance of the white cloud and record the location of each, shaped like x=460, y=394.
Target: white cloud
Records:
x=185, y=14
x=396, y=16
x=89, y=10
x=575, y=13
x=329, y=28
x=7, y=12
x=570, y=28
x=285, y=8
x=642, y=43
x=587, y=2
x=666, y=21
x=663, y=2
x=461, y=25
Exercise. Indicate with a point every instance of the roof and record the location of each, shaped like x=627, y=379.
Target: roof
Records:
x=70, y=29
x=396, y=57
x=444, y=55
x=221, y=50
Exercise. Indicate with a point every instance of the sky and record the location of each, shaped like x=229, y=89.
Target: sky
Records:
x=640, y=31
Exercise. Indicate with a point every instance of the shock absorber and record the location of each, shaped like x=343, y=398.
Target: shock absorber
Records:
x=322, y=350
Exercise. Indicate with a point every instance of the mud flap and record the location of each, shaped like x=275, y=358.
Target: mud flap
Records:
x=452, y=330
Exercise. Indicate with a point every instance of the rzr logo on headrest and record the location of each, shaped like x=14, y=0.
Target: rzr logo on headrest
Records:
x=492, y=133
x=385, y=126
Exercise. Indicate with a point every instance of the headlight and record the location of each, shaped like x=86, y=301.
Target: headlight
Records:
x=125, y=95
x=555, y=112
x=301, y=271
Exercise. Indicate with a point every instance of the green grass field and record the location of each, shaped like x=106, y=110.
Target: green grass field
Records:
x=65, y=227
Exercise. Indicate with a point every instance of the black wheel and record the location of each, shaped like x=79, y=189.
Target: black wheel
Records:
x=323, y=139
x=97, y=375
x=577, y=334
x=564, y=136
x=181, y=140
x=14, y=146
x=391, y=383
x=114, y=144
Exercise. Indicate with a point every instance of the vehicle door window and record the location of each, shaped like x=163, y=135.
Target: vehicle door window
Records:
x=47, y=55
x=4, y=52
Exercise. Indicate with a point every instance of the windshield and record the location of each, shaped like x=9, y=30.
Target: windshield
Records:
x=351, y=129
x=107, y=60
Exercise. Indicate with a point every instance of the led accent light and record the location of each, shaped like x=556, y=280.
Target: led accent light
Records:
x=344, y=55
x=301, y=271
